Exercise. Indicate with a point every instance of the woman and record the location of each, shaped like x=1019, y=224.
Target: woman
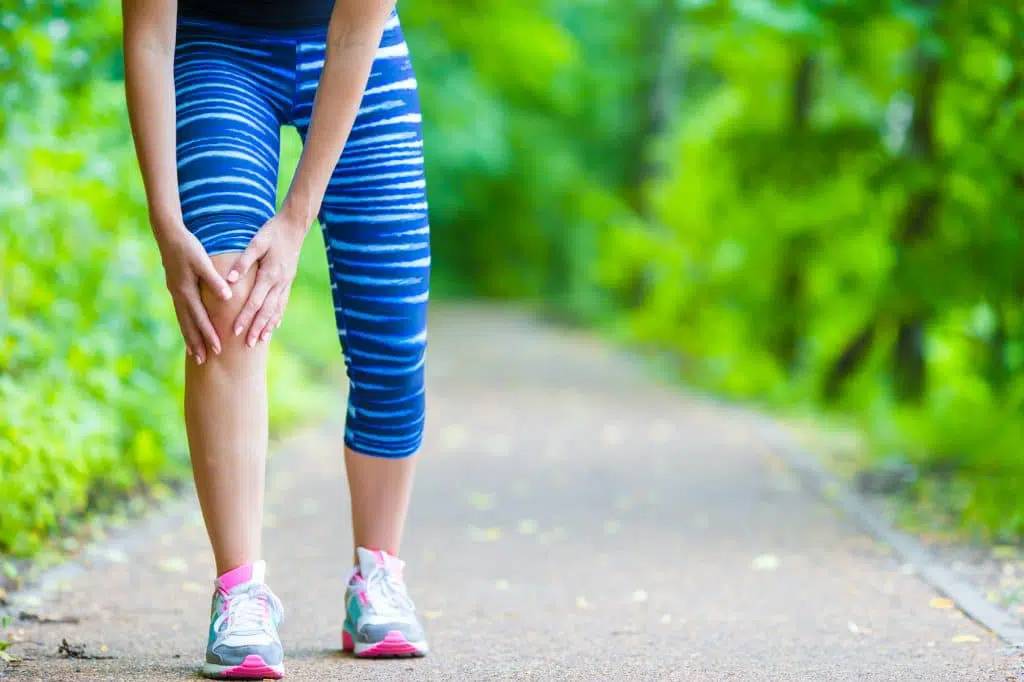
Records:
x=209, y=85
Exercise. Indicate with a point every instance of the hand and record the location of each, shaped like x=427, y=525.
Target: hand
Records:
x=276, y=248
x=186, y=264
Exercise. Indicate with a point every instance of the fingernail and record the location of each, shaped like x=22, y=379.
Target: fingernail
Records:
x=251, y=343
x=199, y=359
x=266, y=335
x=226, y=293
x=232, y=276
x=238, y=330
x=188, y=351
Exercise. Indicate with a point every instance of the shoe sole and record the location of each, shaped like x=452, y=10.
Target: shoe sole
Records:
x=394, y=645
x=252, y=668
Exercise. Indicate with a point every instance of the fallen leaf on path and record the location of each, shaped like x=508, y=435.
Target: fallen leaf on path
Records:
x=527, y=527
x=28, y=617
x=484, y=534
x=432, y=615
x=941, y=603
x=611, y=527
x=8, y=658
x=623, y=502
x=519, y=489
x=665, y=619
x=173, y=565
x=453, y=437
x=191, y=587
x=581, y=602
x=115, y=556
x=501, y=584
x=612, y=436
x=639, y=596
x=963, y=639
x=76, y=651
x=852, y=627
x=661, y=432
x=765, y=562
x=481, y=501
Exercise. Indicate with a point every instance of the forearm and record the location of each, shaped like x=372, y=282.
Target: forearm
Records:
x=353, y=37
x=149, y=91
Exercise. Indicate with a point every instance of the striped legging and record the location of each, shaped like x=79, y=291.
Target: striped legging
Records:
x=235, y=88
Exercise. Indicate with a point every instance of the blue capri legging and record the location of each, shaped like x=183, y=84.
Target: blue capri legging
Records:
x=235, y=88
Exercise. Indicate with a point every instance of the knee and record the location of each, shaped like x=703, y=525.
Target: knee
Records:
x=223, y=313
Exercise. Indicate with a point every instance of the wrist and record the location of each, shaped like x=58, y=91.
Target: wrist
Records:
x=166, y=224
x=298, y=214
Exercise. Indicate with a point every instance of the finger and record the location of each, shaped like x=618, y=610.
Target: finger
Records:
x=201, y=319
x=256, y=249
x=264, y=283
x=260, y=329
x=194, y=345
x=208, y=274
x=282, y=304
x=276, y=311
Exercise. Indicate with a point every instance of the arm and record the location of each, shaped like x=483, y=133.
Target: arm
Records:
x=353, y=37
x=149, y=35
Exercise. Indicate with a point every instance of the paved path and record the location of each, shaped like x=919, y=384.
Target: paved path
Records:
x=572, y=521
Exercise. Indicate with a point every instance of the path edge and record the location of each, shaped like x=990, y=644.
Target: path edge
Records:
x=834, y=491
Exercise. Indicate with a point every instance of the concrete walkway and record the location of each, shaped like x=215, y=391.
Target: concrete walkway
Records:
x=572, y=521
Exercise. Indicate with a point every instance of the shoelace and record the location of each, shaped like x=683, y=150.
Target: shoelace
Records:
x=250, y=609
x=391, y=591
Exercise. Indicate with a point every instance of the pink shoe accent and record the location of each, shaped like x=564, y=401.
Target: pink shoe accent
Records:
x=347, y=644
x=394, y=644
x=235, y=577
x=253, y=667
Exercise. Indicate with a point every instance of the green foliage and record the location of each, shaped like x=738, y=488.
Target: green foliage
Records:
x=839, y=224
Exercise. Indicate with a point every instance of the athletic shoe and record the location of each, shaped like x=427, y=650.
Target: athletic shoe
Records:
x=380, y=618
x=245, y=614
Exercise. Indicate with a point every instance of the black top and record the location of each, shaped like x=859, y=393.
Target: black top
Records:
x=261, y=13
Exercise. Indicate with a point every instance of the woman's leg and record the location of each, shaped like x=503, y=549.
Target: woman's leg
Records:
x=377, y=234
x=228, y=140
x=230, y=101
x=226, y=420
x=375, y=225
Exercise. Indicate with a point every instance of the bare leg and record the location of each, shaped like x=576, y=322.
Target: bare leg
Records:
x=226, y=420
x=380, y=489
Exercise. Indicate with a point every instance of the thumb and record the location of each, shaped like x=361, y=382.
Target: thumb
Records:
x=209, y=274
x=252, y=253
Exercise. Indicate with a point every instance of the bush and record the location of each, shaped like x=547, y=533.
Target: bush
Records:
x=840, y=225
